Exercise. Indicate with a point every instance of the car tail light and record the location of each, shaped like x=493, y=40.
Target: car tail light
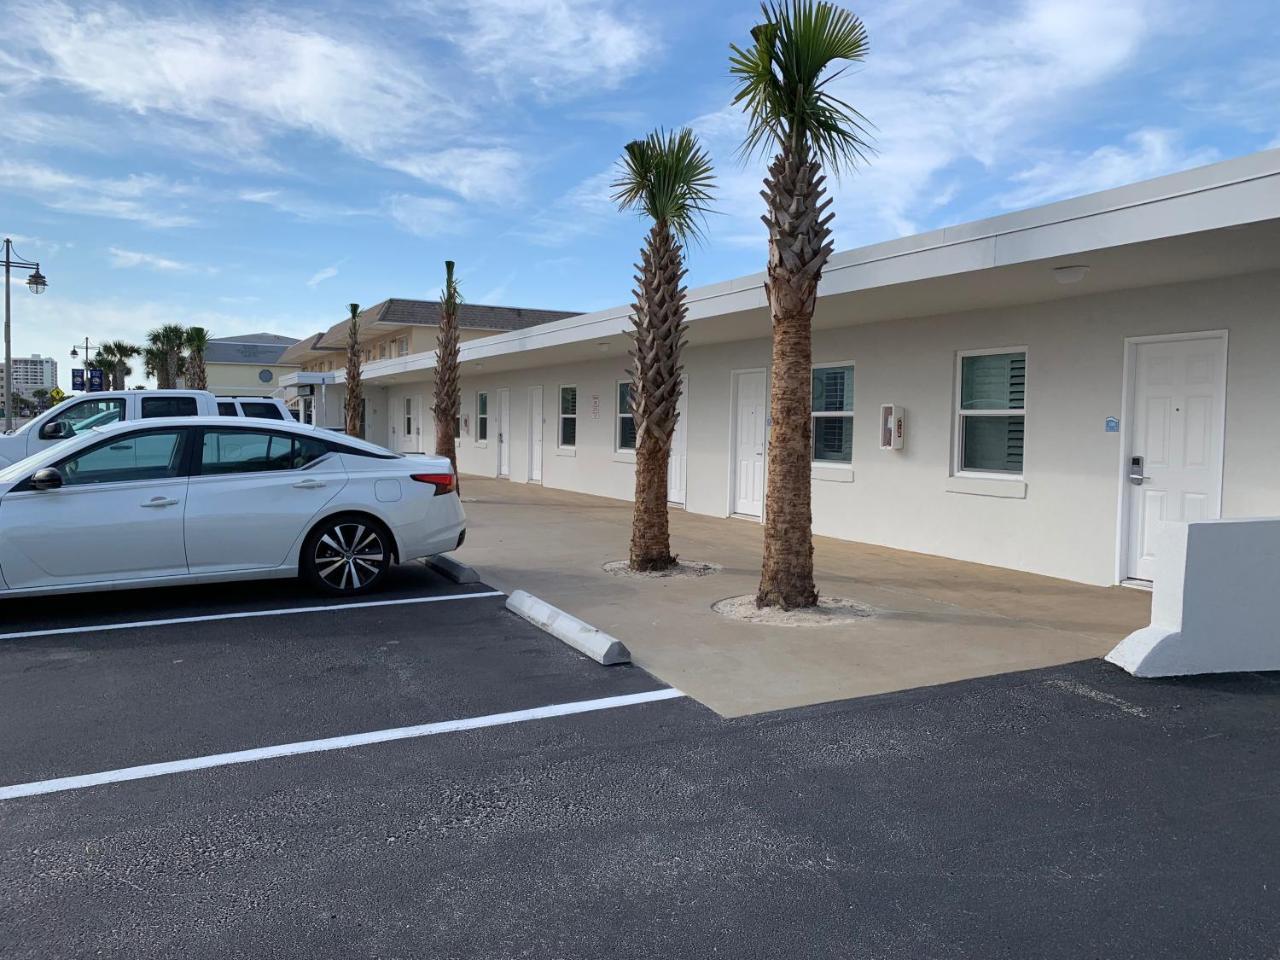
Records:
x=443, y=482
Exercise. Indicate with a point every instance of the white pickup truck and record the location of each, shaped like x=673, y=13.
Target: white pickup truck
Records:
x=78, y=414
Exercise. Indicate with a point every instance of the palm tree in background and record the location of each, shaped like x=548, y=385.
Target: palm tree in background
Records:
x=447, y=403
x=118, y=353
x=355, y=395
x=165, y=359
x=668, y=178
x=99, y=361
x=783, y=81
x=197, y=341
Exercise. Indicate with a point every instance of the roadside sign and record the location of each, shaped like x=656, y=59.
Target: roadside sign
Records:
x=95, y=379
x=77, y=380
x=56, y=395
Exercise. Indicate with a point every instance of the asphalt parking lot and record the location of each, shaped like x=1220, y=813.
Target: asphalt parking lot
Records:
x=1069, y=812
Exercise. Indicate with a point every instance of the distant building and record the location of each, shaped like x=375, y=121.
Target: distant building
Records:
x=29, y=374
x=248, y=365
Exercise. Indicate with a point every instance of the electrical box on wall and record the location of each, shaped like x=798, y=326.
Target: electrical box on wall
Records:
x=892, y=427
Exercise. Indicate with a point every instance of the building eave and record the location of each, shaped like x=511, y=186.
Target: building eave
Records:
x=1226, y=195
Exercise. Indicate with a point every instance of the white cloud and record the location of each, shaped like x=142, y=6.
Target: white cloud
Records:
x=48, y=325
x=241, y=77
x=553, y=47
x=582, y=210
x=301, y=206
x=323, y=274
x=128, y=198
x=127, y=259
x=424, y=216
x=1144, y=154
x=474, y=173
x=950, y=85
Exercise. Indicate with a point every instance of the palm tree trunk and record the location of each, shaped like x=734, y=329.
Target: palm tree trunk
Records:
x=354, y=391
x=447, y=398
x=658, y=338
x=650, y=528
x=196, y=375
x=799, y=246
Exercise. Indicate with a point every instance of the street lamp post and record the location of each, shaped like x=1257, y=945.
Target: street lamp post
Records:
x=75, y=353
x=36, y=284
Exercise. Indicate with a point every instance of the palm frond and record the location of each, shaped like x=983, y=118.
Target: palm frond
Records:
x=668, y=177
x=783, y=78
x=197, y=339
x=451, y=295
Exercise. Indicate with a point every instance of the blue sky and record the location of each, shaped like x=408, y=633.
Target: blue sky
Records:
x=257, y=167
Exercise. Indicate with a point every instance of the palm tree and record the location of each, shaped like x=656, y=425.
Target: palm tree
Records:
x=99, y=361
x=118, y=353
x=783, y=86
x=153, y=361
x=167, y=362
x=667, y=177
x=355, y=395
x=41, y=396
x=197, y=340
x=448, y=395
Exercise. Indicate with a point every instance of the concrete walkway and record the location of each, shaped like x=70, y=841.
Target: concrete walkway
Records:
x=943, y=620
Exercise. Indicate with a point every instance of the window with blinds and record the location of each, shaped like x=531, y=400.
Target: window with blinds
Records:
x=568, y=435
x=832, y=414
x=624, y=437
x=991, y=431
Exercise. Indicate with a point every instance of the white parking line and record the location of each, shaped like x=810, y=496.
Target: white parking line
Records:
x=245, y=614
x=332, y=743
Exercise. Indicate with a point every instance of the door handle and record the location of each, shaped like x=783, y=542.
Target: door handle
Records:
x=308, y=484
x=160, y=502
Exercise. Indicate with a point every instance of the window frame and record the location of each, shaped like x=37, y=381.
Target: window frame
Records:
x=195, y=456
x=143, y=402
x=828, y=414
x=958, y=416
x=482, y=418
x=561, y=416
x=618, y=415
x=185, y=436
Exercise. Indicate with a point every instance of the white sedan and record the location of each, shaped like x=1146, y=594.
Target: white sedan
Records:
x=201, y=500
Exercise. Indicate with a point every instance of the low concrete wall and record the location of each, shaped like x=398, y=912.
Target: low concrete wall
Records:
x=1216, y=605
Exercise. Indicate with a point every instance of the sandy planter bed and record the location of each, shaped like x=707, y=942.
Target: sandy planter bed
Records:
x=830, y=612
x=684, y=568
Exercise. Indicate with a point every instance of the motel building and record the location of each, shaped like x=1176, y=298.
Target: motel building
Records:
x=1041, y=390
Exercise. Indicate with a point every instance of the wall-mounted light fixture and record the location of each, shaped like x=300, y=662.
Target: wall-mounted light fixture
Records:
x=1071, y=274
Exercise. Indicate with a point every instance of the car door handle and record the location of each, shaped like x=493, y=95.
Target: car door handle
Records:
x=308, y=484
x=160, y=502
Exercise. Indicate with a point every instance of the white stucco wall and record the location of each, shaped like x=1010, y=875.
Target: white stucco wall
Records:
x=1066, y=526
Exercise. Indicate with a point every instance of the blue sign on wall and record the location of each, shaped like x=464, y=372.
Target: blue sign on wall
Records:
x=95, y=379
x=1113, y=425
x=77, y=379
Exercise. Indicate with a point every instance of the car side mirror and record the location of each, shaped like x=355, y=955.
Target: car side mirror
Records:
x=56, y=430
x=48, y=478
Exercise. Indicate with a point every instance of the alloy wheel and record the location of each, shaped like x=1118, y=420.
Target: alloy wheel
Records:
x=349, y=556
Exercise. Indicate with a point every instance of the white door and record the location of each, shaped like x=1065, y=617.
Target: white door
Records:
x=407, y=427
x=118, y=516
x=1175, y=454
x=252, y=495
x=678, y=463
x=537, y=419
x=750, y=428
x=504, y=432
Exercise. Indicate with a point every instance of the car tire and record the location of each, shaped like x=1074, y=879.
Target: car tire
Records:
x=346, y=555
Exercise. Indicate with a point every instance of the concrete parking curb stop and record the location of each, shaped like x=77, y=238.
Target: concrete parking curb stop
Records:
x=583, y=637
x=452, y=569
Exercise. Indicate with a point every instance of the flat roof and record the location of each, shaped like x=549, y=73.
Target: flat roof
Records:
x=1221, y=196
